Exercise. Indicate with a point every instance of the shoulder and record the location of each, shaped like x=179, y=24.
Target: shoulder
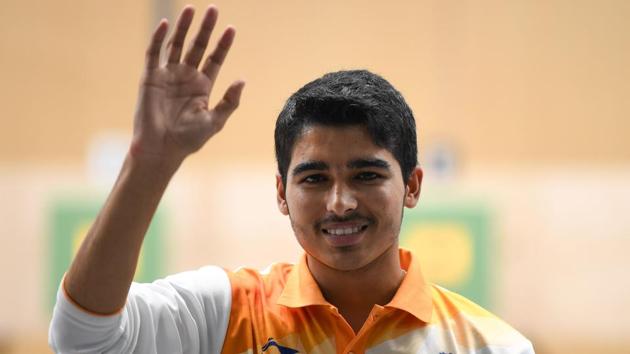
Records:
x=202, y=282
x=204, y=294
x=453, y=304
x=270, y=280
x=473, y=326
x=212, y=283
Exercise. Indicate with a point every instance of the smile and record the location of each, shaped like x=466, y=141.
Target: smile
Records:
x=344, y=235
x=343, y=231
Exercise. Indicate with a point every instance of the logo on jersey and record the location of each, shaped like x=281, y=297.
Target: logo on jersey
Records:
x=281, y=349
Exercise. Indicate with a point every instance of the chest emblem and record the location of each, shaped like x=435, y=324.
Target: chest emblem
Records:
x=283, y=350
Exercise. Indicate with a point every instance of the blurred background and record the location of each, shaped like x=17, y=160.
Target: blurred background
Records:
x=524, y=133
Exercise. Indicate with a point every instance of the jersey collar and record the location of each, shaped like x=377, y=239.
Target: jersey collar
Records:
x=413, y=295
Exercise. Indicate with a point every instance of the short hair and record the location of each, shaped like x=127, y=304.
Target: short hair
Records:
x=344, y=98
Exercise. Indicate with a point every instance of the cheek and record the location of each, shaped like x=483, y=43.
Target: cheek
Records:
x=388, y=205
x=387, y=195
x=303, y=220
x=303, y=206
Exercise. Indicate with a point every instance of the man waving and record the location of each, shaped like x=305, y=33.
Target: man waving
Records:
x=347, y=167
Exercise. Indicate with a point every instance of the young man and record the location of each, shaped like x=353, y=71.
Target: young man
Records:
x=346, y=151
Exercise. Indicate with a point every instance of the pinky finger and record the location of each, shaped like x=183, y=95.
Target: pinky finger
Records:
x=228, y=104
x=153, y=52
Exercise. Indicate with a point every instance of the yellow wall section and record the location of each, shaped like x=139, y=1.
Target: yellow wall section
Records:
x=445, y=252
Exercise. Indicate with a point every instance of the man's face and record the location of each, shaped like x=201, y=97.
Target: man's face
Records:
x=345, y=196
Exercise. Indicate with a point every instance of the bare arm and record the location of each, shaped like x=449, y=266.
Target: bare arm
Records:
x=172, y=120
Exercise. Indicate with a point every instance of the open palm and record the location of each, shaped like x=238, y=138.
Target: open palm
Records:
x=172, y=118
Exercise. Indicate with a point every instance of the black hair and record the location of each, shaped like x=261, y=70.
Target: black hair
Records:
x=353, y=97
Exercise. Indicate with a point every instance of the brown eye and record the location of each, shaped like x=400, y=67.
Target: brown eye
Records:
x=312, y=179
x=367, y=176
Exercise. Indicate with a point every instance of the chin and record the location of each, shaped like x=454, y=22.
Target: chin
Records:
x=347, y=259
x=347, y=265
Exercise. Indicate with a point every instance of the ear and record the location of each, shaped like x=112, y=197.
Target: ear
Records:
x=281, y=196
x=412, y=189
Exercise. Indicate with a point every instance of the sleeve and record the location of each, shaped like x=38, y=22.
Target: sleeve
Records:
x=183, y=313
x=525, y=347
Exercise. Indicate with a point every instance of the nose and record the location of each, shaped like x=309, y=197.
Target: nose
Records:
x=341, y=200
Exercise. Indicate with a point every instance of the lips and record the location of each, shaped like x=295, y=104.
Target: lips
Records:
x=344, y=234
x=341, y=230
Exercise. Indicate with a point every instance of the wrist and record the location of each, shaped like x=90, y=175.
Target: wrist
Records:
x=153, y=165
x=157, y=162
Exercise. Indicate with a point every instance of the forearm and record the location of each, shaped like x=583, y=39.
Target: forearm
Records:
x=102, y=271
x=172, y=121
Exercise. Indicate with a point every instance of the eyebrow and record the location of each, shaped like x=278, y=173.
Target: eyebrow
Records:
x=363, y=163
x=308, y=166
x=353, y=164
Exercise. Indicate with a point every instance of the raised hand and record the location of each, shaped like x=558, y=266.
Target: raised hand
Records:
x=172, y=118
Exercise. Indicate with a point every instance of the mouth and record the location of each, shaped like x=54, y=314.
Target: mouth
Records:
x=342, y=235
x=343, y=230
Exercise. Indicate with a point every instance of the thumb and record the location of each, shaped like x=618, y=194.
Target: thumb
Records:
x=228, y=104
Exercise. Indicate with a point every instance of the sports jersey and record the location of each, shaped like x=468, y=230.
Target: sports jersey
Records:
x=280, y=310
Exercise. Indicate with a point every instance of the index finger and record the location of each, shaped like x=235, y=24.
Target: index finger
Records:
x=215, y=60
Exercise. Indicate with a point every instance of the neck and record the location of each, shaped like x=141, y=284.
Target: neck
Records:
x=355, y=292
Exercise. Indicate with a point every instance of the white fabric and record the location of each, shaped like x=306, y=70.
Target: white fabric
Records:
x=183, y=313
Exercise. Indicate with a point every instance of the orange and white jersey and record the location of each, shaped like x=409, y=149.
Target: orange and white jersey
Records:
x=280, y=311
